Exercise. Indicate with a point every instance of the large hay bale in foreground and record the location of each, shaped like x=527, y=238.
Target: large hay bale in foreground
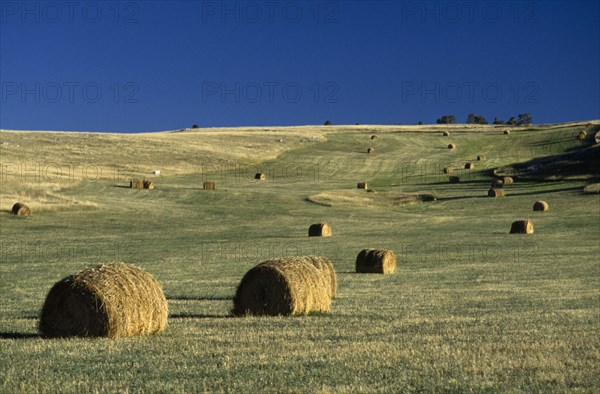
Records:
x=480, y=157
x=319, y=230
x=113, y=300
x=286, y=286
x=451, y=146
x=148, y=185
x=260, y=176
x=453, y=179
x=362, y=185
x=376, y=261
x=540, y=206
x=507, y=180
x=209, y=186
x=21, y=209
x=325, y=266
x=448, y=170
x=493, y=192
x=469, y=166
x=136, y=184
x=522, y=227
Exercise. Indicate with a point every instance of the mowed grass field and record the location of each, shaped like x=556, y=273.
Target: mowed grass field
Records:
x=471, y=308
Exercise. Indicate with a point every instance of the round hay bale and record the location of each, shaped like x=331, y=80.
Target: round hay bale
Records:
x=376, y=261
x=480, y=157
x=286, y=286
x=469, y=166
x=451, y=146
x=498, y=184
x=506, y=132
x=581, y=136
x=136, y=184
x=148, y=185
x=506, y=180
x=371, y=150
x=373, y=137
x=325, y=266
x=493, y=192
x=21, y=209
x=593, y=188
x=260, y=176
x=362, y=185
x=209, y=186
x=522, y=227
x=540, y=206
x=453, y=179
x=113, y=300
x=597, y=137
x=319, y=230
x=446, y=134
x=448, y=170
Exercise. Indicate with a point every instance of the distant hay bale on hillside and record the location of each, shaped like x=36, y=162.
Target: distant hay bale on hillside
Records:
x=136, y=184
x=362, y=185
x=453, y=179
x=325, y=266
x=451, y=146
x=597, y=137
x=319, y=230
x=445, y=134
x=448, y=170
x=469, y=166
x=506, y=132
x=373, y=137
x=507, y=180
x=21, y=209
x=592, y=188
x=260, y=176
x=377, y=261
x=371, y=150
x=209, y=186
x=498, y=184
x=480, y=157
x=496, y=192
x=113, y=300
x=148, y=185
x=582, y=135
x=540, y=206
x=286, y=286
x=156, y=172
x=522, y=227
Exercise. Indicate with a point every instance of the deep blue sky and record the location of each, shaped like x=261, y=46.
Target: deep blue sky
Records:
x=158, y=65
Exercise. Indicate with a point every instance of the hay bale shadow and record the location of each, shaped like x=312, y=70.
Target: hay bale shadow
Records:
x=18, y=335
x=201, y=298
x=199, y=316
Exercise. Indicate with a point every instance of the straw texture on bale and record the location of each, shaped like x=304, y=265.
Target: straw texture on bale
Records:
x=582, y=135
x=362, y=185
x=446, y=134
x=506, y=132
x=136, y=184
x=451, y=146
x=522, y=227
x=209, y=186
x=540, y=206
x=507, y=180
x=286, y=286
x=21, y=209
x=325, y=266
x=469, y=166
x=453, y=179
x=112, y=300
x=480, y=157
x=319, y=230
x=148, y=185
x=260, y=176
x=371, y=150
x=376, y=261
x=448, y=170
x=498, y=184
x=493, y=192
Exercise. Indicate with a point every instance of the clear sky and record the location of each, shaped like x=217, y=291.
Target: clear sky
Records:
x=130, y=66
